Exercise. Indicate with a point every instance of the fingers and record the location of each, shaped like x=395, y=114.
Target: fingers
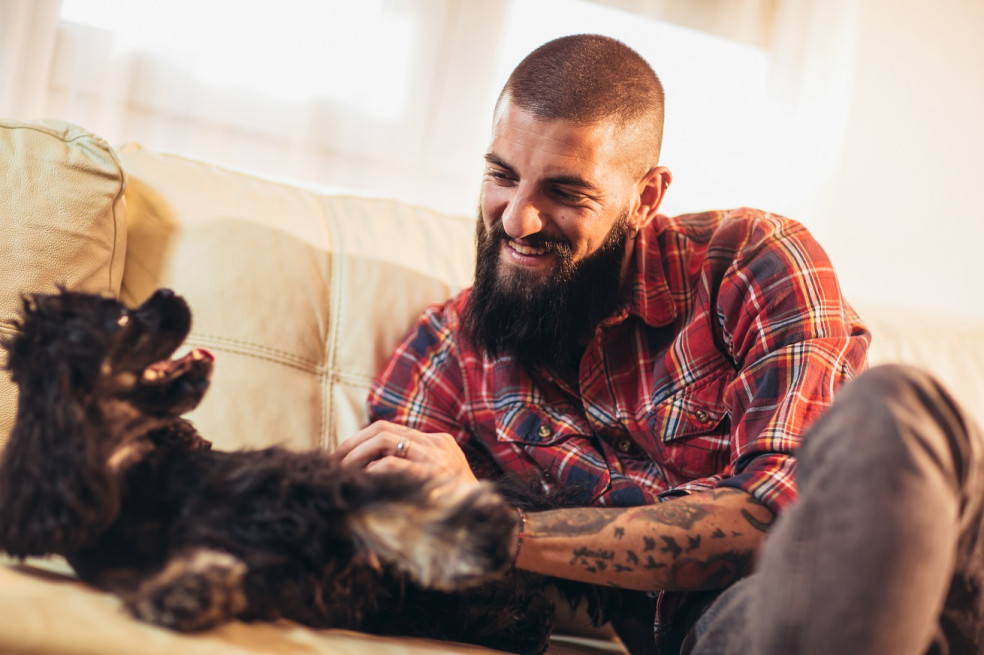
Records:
x=372, y=442
x=385, y=446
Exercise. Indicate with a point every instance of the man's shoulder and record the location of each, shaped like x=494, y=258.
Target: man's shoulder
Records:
x=448, y=314
x=738, y=230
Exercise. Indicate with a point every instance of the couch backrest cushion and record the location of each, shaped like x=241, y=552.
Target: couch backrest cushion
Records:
x=62, y=220
x=302, y=296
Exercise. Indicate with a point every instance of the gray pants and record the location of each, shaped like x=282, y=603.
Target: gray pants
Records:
x=883, y=554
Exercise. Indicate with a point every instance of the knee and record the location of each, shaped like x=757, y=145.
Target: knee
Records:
x=906, y=392
x=891, y=380
x=913, y=412
x=886, y=413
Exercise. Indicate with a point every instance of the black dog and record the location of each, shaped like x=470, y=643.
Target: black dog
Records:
x=102, y=469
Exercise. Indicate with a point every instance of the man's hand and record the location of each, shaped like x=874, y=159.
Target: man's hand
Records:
x=384, y=446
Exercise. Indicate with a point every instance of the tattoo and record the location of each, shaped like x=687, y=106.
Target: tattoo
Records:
x=619, y=532
x=601, y=564
x=653, y=564
x=758, y=525
x=762, y=526
x=573, y=522
x=715, y=573
x=583, y=554
x=677, y=514
x=631, y=557
x=650, y=544
x=671, y=547
x=619, y=568
x=718, y=534
x=693, y=543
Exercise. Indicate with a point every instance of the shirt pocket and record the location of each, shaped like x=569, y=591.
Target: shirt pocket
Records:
x=561, y=446
x=534, y=426
x=691, y=431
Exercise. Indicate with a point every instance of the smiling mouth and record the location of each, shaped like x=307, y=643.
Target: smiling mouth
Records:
x=525, y=250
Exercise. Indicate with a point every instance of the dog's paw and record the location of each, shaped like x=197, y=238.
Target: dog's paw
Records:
x=193, y=593
x=448, y=542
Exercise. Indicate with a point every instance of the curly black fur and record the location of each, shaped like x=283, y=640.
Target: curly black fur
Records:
x=102, y=469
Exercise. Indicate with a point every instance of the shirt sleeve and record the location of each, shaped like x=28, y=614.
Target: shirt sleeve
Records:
x=794, y=342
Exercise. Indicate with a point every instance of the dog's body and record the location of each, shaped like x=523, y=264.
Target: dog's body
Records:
x=102, y=469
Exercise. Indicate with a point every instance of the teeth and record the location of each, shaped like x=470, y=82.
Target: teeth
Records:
x=526, y=250
x=150, y=374
x=197, y=355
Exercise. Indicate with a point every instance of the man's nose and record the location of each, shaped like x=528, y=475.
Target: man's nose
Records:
x=522, y=217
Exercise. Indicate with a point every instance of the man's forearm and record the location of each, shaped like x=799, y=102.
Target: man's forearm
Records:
x=701, y=541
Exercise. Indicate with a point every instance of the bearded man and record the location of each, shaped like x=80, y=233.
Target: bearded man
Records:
x=667, y=370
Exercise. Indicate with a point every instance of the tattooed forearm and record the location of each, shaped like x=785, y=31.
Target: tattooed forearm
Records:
x=587, y=553
x=671, y=547
x=674, y=514
x=763, y=522
x=575, y=521
x=711, y=573
x=701, y=541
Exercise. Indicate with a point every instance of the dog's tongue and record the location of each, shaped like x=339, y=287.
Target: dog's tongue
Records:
x=172, y=368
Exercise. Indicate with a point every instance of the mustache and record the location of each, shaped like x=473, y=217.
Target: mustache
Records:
x=554, y=245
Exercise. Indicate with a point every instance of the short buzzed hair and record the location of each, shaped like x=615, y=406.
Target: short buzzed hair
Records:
x=589, y=78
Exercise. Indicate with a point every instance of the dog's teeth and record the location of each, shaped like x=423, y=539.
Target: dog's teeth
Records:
x=197, y=355
x=150, y=375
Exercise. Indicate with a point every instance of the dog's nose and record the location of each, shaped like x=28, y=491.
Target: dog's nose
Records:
x=165, y=293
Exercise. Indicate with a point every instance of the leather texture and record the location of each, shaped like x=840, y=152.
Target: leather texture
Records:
x=62, y=221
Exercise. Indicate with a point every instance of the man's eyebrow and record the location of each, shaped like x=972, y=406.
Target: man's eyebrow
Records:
x=562, y=179
x=495, y=160
x=572, y=180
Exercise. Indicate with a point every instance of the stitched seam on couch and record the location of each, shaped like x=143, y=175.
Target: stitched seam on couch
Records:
x=352, y=377
x=257, y=350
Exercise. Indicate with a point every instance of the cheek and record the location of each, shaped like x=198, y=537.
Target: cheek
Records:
x=492, y=201
x=583, y=242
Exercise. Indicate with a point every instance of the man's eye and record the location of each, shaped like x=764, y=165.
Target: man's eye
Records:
x=565, y=196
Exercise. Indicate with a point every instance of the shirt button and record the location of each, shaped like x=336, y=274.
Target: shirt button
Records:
x=624, y=445
x=544, y=431
x=702, y=416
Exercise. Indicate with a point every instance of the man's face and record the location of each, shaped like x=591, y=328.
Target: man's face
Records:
x=556, y=188
x=551, y=238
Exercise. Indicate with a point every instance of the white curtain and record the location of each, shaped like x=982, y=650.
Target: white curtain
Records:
x=394, y=97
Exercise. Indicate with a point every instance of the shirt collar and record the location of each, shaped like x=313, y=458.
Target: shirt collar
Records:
x=647, y=294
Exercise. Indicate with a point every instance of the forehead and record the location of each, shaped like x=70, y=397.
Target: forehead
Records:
x=554, y=146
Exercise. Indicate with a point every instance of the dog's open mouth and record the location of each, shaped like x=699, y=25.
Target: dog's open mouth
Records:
x=166, y=371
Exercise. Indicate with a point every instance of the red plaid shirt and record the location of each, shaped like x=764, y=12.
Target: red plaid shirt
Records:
x=733, y=339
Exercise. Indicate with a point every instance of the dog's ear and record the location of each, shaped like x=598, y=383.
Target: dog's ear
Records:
x=55, y=497
x=444, y=540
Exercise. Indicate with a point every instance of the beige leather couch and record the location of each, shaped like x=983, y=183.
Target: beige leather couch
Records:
x=301, y=295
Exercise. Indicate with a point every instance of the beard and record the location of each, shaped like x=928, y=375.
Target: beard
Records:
x=542, y=320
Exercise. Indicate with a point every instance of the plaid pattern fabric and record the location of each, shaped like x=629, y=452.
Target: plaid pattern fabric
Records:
x=733, y=338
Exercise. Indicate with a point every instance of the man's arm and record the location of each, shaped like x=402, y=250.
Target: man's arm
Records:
x=704, y=540
x=701, y=541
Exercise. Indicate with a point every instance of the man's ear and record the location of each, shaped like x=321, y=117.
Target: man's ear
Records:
x=651, y=189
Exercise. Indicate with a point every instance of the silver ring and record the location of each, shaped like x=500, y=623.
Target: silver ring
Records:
x=403, y=447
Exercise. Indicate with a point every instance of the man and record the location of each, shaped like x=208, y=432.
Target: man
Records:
x=665, y=368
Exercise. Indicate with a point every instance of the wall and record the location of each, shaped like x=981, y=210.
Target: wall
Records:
x=904, y=222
